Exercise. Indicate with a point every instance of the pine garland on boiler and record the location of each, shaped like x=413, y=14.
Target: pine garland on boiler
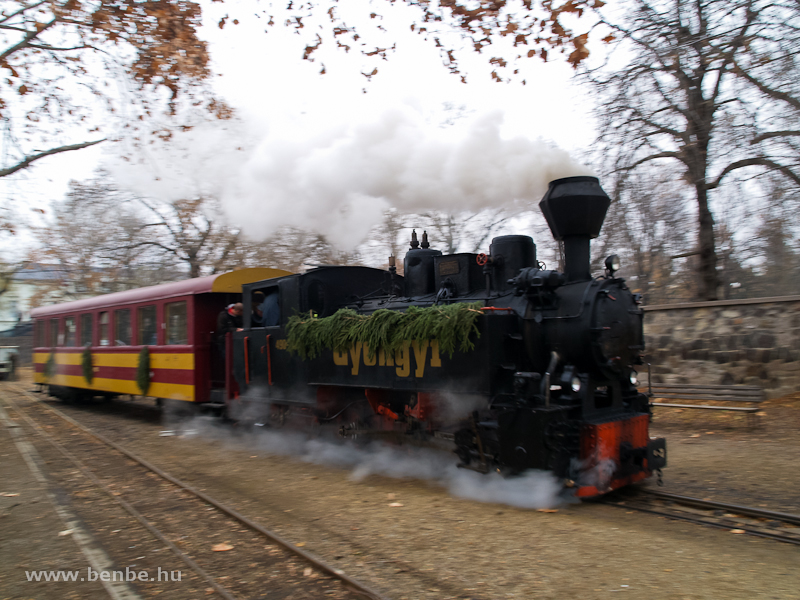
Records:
x=50, y=365
x=143, y=371
x=387, y=330
x=86, y=364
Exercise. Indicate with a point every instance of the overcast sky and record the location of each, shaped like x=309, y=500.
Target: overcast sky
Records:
x=264, y=77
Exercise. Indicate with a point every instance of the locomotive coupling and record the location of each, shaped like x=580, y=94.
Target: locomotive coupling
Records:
x=656, y=453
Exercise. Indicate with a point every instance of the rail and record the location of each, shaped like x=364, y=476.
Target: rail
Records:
x=777, y=526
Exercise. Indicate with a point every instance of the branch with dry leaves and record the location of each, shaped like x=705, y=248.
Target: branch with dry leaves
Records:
x=57, y=58
x=455, y=27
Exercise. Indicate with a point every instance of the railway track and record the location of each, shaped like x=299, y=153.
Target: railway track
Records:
x=406, y=573
x=392, y=569
x=153, y=509
x=779, y=526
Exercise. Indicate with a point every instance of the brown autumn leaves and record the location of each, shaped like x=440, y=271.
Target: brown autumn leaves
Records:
x=537, y=29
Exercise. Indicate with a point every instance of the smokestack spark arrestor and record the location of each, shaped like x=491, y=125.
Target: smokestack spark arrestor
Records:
x=575, y=208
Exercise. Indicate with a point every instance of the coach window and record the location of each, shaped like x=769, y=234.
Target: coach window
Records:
x=86, y=330
x=122, y=327
x=147, y=325
x=103, y=326
x=69, y=331
x=175, y=314
x=53, y=333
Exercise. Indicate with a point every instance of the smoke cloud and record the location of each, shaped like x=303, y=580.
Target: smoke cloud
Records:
x=339, y=181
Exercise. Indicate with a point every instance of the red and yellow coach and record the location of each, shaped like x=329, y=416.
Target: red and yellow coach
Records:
x=95, y=346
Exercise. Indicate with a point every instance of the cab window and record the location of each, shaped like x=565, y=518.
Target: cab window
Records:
x=175, y=316
x=38, y=329
x=122, y=327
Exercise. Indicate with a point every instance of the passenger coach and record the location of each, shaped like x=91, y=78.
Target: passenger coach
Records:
x=95, y=346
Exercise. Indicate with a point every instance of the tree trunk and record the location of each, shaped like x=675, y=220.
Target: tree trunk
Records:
x=194, y=268
x=708, y=277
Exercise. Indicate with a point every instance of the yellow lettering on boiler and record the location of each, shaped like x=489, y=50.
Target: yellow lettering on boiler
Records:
x=355, y=353
x=420, y=353
x=340, y=358
x=435, y=360
x=403, y=359
x=400, y=359
x=385, y=360
x=369, y=361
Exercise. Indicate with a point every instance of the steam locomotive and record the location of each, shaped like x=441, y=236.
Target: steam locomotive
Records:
x=550, y=381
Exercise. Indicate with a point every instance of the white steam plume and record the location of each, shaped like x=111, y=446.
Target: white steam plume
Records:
x=200, y=161
x=534, y=489
x=338, y=182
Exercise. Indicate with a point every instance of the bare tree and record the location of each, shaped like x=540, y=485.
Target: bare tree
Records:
x=645, y=226
x=50, y=53
x=192, y=231
x=464, y=231
x=83, y=242
x=702, y=83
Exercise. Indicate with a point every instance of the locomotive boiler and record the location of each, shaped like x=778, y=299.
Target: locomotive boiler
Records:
x=544, y=376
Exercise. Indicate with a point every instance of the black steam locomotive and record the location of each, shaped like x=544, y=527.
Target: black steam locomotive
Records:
x=550, y=382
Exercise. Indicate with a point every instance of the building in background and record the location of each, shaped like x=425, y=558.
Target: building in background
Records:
x=39, y=285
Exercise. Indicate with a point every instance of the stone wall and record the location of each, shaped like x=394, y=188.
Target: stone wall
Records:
x=750, y=342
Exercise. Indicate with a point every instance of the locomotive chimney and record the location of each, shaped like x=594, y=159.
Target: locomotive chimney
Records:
x=575, y=208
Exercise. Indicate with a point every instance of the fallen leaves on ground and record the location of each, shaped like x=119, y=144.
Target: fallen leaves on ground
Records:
x=221, y=547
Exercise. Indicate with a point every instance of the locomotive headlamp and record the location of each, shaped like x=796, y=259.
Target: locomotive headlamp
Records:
x=576, y=384
x=634, y=378
x=612, y=263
